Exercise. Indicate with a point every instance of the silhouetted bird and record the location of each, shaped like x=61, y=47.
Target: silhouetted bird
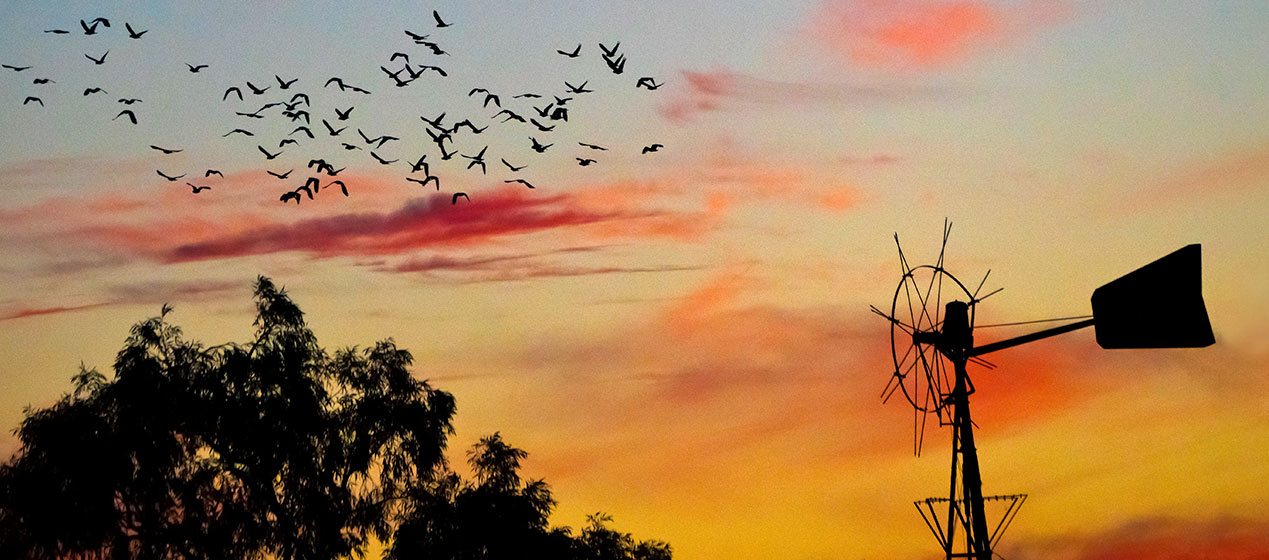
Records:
x=286, y=141
x=439, y=21
x=98, y=61
x=584, y=162
x=195, y=69
x=591, y=146
x=541, y=126
x=168, y=177
x=197, y=189
x=617, y=66
x=303, y=129
x=577, y=89
x=42, y=81
x=436, y=49
x=538, y=147
x=377, y=141
x=417, y=38
x=266, y=153
x=342, y=187
x=343, y=115
x=90, y=29
x=279, y=175
x=467, y=123
x=233, y=90
x=31, y=98
x=424, y=182
x=478, y=159
x=437, y=69
x=521, y=181
x=57, y=31
x=238, y=131
x=647, y=82
x=454, y=200
x=284, y=84
x=130, y=101
x=577, y=51
x=93, y=90
x=420, y=165
x=16, y=68
x=255, y=90
x=166, y=150
x=435, y=123
x=652, y=148
x=290, y=195
x=511, y=167
x=332, y=130
x=211, y=172
x=133, y=34
x=131, y=116
x=610, y=52
x=511, y=115
x=381, y=160
x=301, y=97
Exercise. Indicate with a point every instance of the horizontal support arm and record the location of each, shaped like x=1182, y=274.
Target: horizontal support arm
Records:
x=1011, y=342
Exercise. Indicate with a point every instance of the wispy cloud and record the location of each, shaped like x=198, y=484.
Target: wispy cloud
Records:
x=1238, y=171
x=506, y=268
x=917, y=34
x=24, y=312
x=725, y=89
x=155, y=293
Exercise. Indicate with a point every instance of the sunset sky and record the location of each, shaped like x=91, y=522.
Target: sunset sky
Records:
x=682, y=338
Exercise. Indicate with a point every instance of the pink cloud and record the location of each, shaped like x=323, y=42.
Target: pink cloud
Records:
x=718, y=89
x=925, y=33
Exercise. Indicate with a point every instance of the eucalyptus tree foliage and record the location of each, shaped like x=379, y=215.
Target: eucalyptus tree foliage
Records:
x=269, y=448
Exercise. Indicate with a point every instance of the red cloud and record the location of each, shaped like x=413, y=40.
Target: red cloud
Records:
x=924, y=33
x=1227, y=538
x=421, y=222
x=34, y=312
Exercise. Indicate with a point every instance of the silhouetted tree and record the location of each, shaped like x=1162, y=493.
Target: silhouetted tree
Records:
x=272, y=448
x=498, y=516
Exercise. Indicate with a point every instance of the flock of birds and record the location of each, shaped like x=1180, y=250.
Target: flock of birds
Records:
x=283, y=102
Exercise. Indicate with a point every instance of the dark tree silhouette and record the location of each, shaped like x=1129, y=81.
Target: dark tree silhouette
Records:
x=499, y=516
x=272, y=448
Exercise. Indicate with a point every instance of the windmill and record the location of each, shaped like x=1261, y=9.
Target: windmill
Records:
x=1159, y=305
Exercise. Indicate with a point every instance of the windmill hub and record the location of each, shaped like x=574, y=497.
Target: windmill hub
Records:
x=955, y=338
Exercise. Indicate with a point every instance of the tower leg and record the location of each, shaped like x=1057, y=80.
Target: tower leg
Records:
x=964, y=454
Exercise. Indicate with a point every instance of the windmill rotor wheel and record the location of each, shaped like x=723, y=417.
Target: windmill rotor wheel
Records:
x=923, y=374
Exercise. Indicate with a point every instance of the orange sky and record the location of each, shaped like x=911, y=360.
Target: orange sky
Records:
x=682, y=338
